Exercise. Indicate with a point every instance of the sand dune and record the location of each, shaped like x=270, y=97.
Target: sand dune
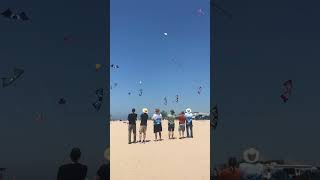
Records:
x=177, y=159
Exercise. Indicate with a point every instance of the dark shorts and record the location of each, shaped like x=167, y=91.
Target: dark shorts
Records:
x=170, y=127
x=157, y=128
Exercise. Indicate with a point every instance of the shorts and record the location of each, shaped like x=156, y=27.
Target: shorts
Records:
x=170, y=127
x=157, y=128
x=143, y=129
x=182, y=127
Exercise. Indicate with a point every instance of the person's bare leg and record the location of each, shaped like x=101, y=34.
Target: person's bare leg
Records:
x=140, y=137
x=169, y=134
x=179, y=134
x=160, y=135
x=155, y=134
x=172, y=134
x=144, y=137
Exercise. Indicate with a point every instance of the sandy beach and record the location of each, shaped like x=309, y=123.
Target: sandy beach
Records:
x=169, y=159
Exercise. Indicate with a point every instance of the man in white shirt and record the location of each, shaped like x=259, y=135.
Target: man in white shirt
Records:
x=251, y=169
x=157, y=126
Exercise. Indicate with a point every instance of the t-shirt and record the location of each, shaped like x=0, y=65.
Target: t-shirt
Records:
x=104, y=172
x=228, y=174
x=132, y=118
x=189, y=118
x=157, y=119
x=182, y=119
x=144, y=119
x=73, y=171
x=171, y=119
x=251, y=171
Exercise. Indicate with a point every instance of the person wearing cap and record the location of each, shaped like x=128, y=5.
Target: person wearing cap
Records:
x=251, y=169
x=182, y=125
x=231, y=172
x=171, y=119
x=132, y=118
x=143, y=124
x=73, y=170
x=157, y=126
x=188, y=116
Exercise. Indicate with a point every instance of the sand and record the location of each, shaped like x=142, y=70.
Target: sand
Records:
x=174, y=159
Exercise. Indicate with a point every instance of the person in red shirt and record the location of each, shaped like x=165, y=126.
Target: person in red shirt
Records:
x=182, y=125
x=231, y=172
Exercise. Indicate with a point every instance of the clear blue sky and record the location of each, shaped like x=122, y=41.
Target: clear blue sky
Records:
x=143, y=52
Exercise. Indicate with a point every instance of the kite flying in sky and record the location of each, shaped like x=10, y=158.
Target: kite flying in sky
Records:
x=98, y=103
x=15, y=16
x=16, y=74
x=287, y=89
x=62, y=101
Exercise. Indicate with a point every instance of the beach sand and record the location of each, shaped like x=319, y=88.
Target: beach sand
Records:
x=174, y=159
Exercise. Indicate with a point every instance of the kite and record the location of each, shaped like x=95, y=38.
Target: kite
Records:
x=166, y=34
x=11, y=15
x=98, y=103
x=114, y=85
x=113, y=66
x=214, y=117
x=165, y=101
x=16, y=74
x=199, y=90
x=177, y=98
x=140, y=92
x=287, y=85
x=200, y=12
x=62, y=101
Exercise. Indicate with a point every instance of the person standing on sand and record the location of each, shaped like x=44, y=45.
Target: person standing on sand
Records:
x=157, y=126
x=182, y=125
x=143, y=124
x=171, y=119
x=132, y=118
x=189, y=123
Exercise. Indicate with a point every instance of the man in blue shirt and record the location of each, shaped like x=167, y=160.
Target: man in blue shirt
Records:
x=188, y=116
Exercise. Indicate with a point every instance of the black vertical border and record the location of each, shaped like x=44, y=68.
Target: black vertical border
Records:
x=107, y=86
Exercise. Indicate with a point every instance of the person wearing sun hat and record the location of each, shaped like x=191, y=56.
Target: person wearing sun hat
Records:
x=188, y=116
x=143, y=124
x=157, y=126
x=251, y=169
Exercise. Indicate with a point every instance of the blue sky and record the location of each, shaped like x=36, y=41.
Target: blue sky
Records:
x=138, y=45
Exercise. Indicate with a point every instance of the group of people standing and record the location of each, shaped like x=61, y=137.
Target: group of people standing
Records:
x=185, y=122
